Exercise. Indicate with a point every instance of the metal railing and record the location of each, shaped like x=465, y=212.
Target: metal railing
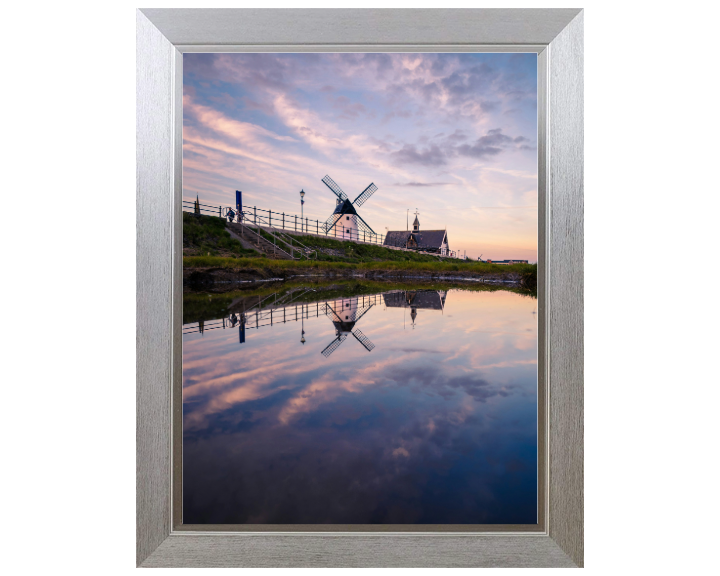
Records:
x=208, y=210
x=278, y=236
x=260, y=238
x=288, y=223
x=293, y=223
x=292, y=246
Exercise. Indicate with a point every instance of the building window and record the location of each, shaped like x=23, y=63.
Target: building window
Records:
x=347, y=217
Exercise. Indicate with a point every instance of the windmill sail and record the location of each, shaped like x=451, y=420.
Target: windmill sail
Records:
x=364, y=195
x=364, y=340
x=332, y=313
x=330, y=183
x=330, y=222
x=343, y=327
x=360, y=312
x=362, y=225
x=330, y=348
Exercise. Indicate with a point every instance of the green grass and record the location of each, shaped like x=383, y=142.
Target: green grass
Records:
x=207, y=235
x=356, y=252
x=322, y=265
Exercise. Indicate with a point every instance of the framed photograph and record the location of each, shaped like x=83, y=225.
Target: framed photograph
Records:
x=317, y=386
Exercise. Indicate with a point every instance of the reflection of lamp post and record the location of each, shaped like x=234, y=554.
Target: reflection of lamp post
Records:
x=302, y=201
x=302, y=334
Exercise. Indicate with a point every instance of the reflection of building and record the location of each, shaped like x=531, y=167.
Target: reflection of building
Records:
x=416, y=299
x=426, y=240
x=506, y=262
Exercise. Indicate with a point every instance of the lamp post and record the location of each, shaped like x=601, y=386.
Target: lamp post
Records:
x=302, y=201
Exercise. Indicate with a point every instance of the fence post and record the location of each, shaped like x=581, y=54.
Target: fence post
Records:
x=317, y=227
x=270, y=218
x=255, y=210
x=220, y=211
x=283, y=217
x=295, y=222
x=306, y=224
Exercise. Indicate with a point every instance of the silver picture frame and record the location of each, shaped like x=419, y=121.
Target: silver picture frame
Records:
x=163, y=36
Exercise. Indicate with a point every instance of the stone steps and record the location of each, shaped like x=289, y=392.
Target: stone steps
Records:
x=257, y=242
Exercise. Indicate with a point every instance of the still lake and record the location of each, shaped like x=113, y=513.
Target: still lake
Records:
x=402, y=406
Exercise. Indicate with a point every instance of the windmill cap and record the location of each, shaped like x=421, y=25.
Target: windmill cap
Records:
x=345, y=208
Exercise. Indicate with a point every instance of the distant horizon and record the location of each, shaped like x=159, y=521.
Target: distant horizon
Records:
x=453, y=136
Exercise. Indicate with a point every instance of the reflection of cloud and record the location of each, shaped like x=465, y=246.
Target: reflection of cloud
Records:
x=276, y=433
x=330, y=386
x=459, y=369
x=463, y=470
x=435, y=381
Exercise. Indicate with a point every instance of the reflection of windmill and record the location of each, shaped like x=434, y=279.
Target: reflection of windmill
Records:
x=345, y=219
x=345, y=314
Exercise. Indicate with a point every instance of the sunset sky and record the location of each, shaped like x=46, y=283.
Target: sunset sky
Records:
x=451, y=135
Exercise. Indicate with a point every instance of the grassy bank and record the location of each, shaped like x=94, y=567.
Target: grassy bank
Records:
x=479, y=268
x=208, y=247
x=207, y=235
x=330, y=250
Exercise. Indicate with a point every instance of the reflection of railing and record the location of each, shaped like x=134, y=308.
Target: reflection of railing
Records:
x=258, y=317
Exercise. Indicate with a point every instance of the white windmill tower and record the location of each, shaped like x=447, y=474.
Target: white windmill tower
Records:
x=345, y=222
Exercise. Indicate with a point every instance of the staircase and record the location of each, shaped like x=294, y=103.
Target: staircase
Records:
x=258, y=242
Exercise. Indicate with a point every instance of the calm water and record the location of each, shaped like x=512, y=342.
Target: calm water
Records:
x=418, y=408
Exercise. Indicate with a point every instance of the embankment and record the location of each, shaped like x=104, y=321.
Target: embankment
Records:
x=201, y=272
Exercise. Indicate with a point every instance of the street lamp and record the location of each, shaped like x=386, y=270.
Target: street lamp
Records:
x=302, y=201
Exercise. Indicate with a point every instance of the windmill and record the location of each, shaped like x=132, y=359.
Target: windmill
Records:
x=345, y=314
x=345, y=218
